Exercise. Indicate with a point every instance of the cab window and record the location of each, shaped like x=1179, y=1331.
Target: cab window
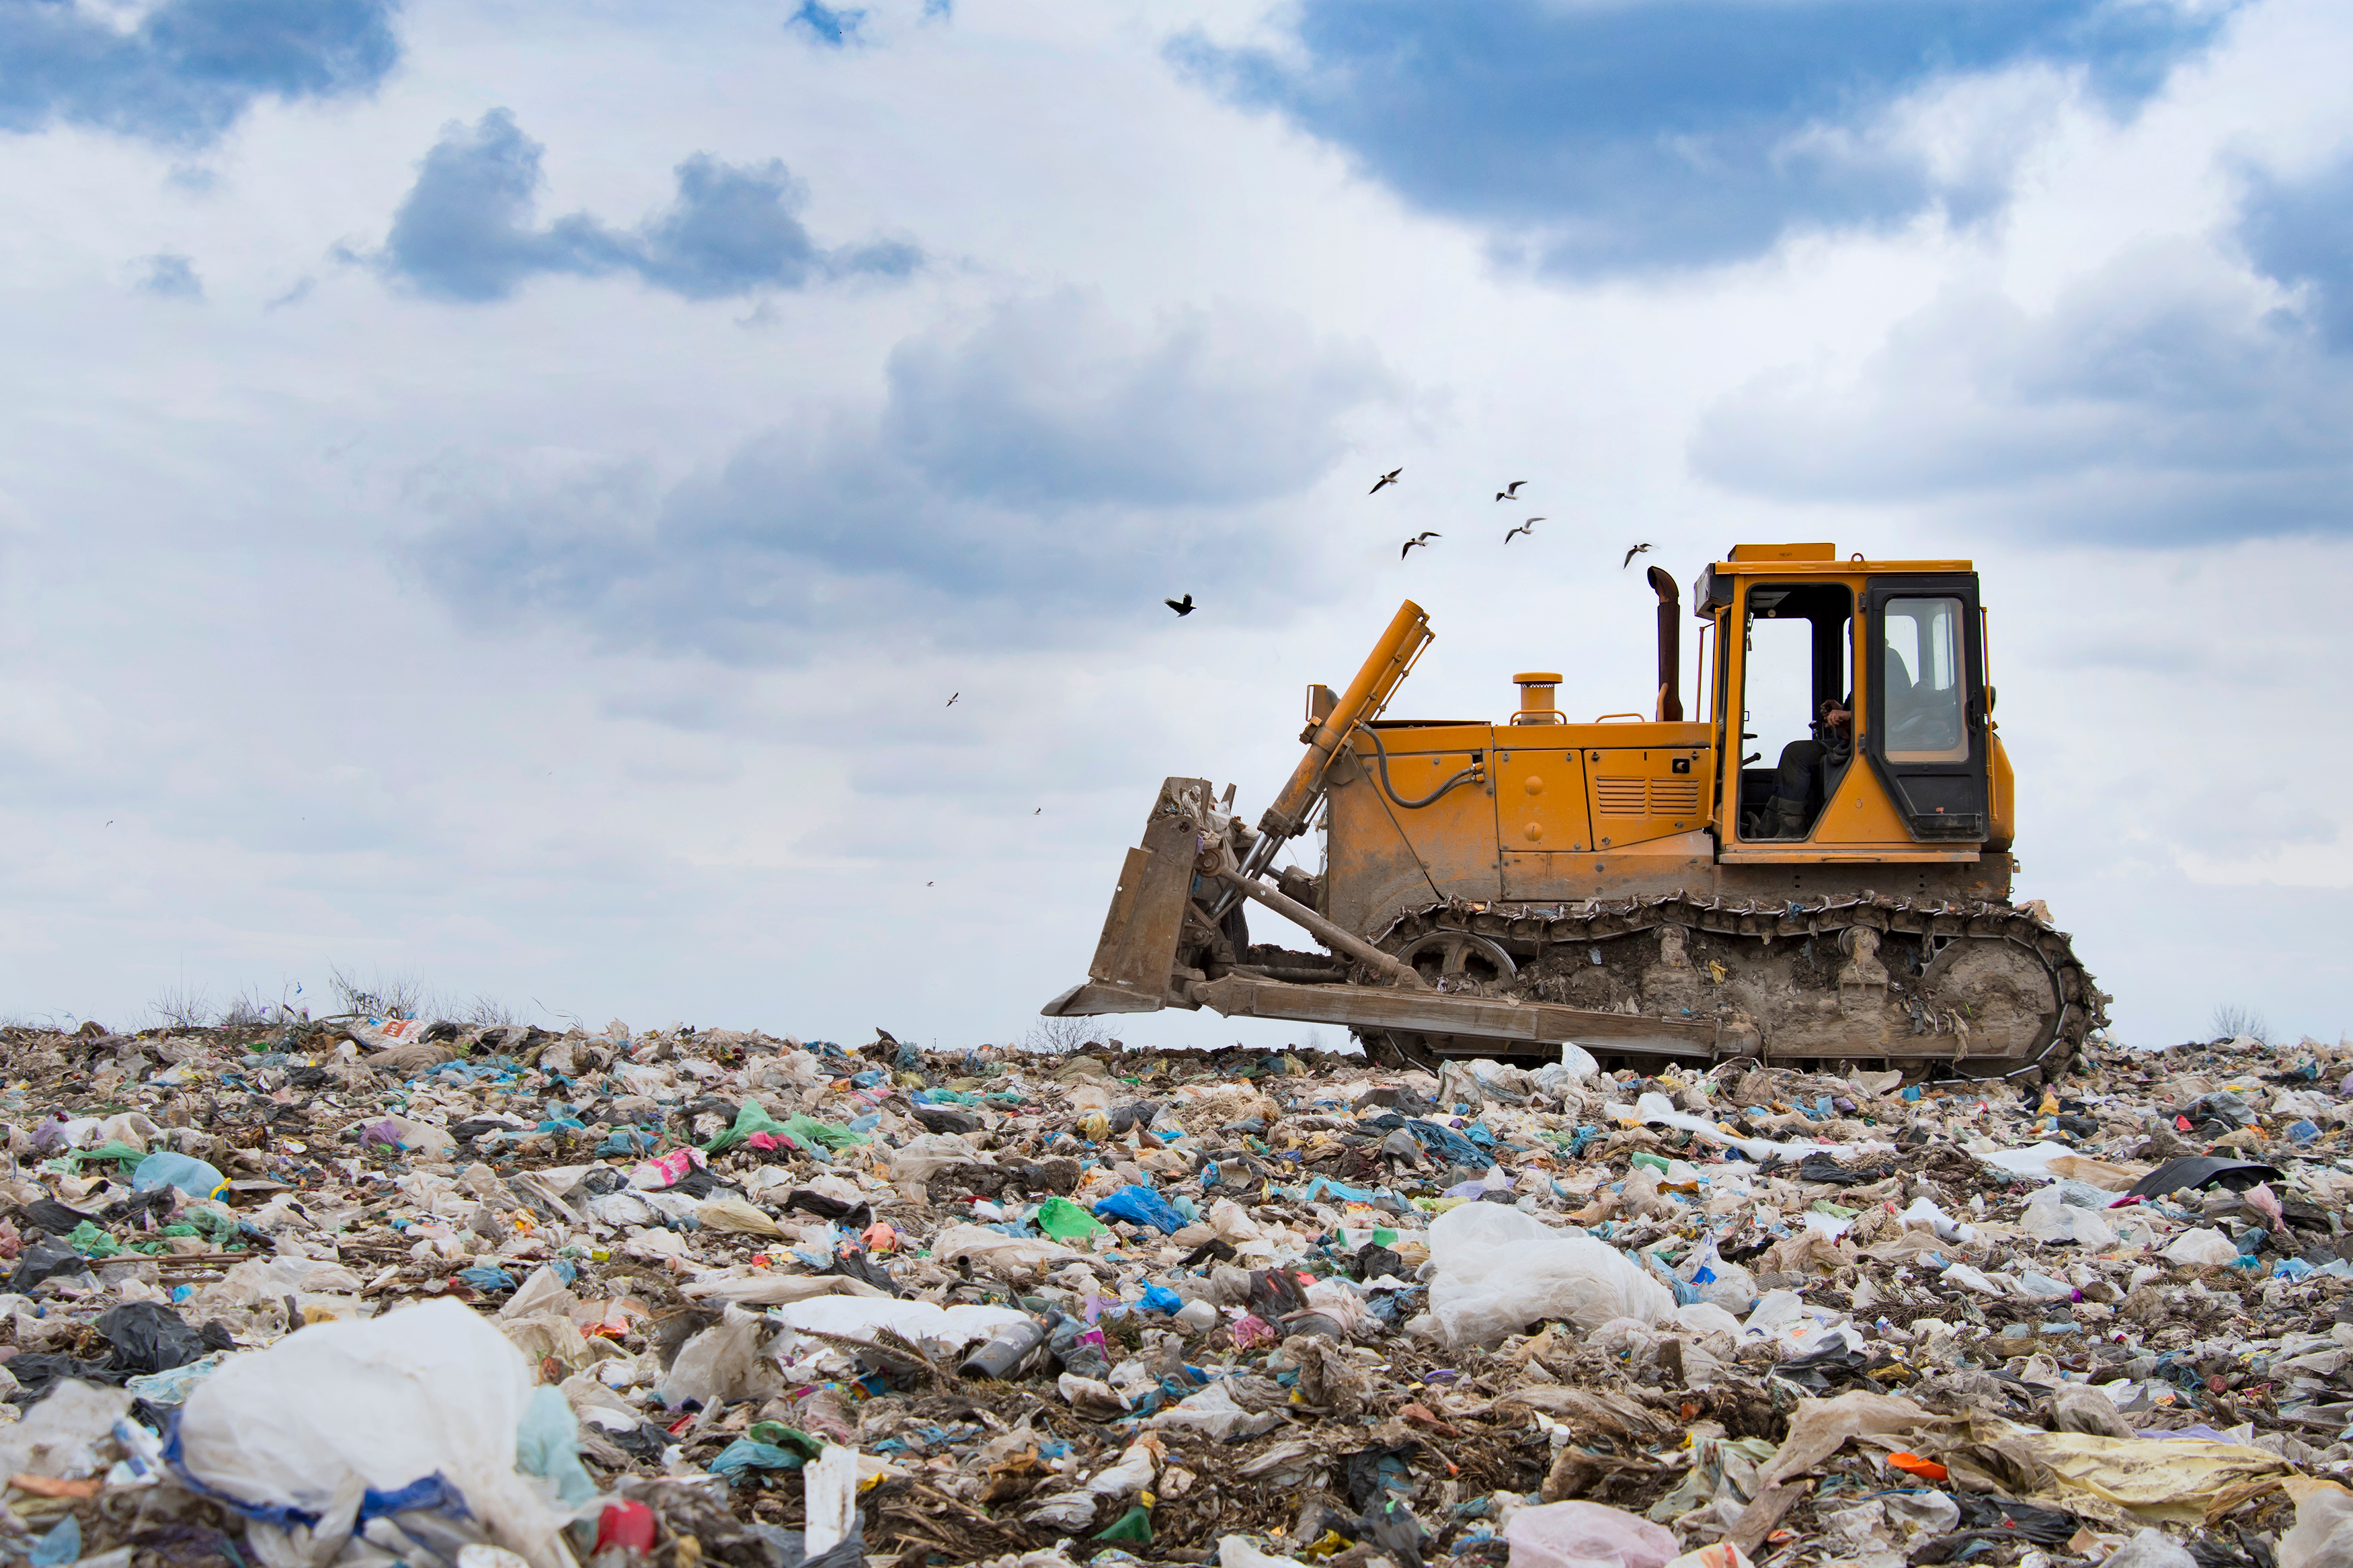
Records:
x=1920, y=672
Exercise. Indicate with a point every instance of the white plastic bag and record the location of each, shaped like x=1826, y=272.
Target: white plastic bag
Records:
x=2201, y=1247
x=1587, y=1535
x=1496, y=1270
x=2049, y=1217
x=858, y=1318
x=426, y=1391
x=721, y=1364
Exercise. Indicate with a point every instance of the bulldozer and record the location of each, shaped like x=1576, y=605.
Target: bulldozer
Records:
x=1650, y=888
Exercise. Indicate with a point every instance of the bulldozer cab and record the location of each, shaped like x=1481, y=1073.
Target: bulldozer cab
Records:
x=1850, y=710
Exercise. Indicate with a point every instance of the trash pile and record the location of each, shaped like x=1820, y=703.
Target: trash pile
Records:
x=372, y=1292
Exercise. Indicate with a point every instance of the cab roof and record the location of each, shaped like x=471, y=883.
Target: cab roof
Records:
x=1781, y=560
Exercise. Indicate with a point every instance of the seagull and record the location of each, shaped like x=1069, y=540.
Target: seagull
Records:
x=1510, y=491
x=1388, y=478
x=884, y=1037
x=952, y=696
x=1183, y=606
x=1528, y=527
x=1638, y=549
x=1040, y=812
x=1421, y=539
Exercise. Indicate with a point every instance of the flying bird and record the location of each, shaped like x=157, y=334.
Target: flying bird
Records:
x=1638, y=549
x=952, y=696
x=1510, y=491
x=1421, y=539
x=1388, y=478
x=1040, y=812
x=1183, y=606
x=1528, y=527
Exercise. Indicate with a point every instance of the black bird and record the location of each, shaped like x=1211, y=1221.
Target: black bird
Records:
x=884, y=1037
x=1040, y=812
x=1183, y=606
x=1388, y=478
x=1421, y=539
x=1528, y=527
x=1638, y=549
x=952, y=696
x=1510, y=491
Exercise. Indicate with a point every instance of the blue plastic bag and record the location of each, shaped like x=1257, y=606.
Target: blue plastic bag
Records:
x=1160, y=1299
x=193, y=1176
x=1141, y=1205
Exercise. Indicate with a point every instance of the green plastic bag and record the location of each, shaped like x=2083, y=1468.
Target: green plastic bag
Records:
x=1136, y=1524
x=92, y=1242
x=809, y=1129
x=777, y=1435
x=753, y=1118
x=1066, y=1221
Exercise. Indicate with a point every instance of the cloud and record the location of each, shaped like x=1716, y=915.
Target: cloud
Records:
x=188, y=69
x=2162, y=399
x=2300, y=233
x=833, y=28
x=1598, y=137
x=1031, y=476
x=171, y=277
x=468, y=229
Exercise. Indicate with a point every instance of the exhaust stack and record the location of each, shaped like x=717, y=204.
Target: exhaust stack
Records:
x=1671, y=696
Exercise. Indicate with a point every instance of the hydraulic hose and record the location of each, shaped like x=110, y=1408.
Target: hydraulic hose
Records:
x=1381, y=754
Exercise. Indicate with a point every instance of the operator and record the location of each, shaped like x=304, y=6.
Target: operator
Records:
x=1793, y=791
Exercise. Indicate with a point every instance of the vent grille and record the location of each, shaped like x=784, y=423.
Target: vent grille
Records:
x=1621, y=797
x=1646, y=797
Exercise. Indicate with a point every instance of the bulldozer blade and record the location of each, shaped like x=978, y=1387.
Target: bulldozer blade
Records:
x=1137, y=952
x=1500, y=1019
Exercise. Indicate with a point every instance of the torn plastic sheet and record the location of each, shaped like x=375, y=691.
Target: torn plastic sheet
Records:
x=1657, y=1111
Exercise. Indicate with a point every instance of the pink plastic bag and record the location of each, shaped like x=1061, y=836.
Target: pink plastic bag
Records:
x=666, y=1171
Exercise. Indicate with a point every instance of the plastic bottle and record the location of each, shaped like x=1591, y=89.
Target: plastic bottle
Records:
x=1008, y=1350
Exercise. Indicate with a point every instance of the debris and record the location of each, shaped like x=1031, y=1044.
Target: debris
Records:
x=982, y=1306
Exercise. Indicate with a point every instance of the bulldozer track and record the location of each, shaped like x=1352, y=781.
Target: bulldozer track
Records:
x=1532, y=933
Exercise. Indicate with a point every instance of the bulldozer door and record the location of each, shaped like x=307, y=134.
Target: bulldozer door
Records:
x=1796, y=658
x=1924, y=726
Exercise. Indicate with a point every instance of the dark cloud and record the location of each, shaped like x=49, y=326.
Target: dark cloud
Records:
x=189, y=68
x=951, y=517
x=1599, y=138
x=469, y=229
x=2300, y=233
x=2160, y=400
x=170, y=277
x=826, y=25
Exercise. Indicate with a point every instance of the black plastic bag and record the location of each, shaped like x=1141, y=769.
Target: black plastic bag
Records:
x=853, y=1263
x=54, y=1218
x=47, y=1260
x=149, y=1337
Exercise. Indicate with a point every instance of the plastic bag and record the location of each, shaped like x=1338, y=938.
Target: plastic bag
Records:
x=1066, y=1221
x=1141, y=1206
x=2050, y=1217
x=1587, y=1535
x=722, y=1363
x=191, y=1175
x=2323, y=1534
x=1215, y=1412
x=2152, y=1549
x=426, y=1394
x=149, y=1337
x=733, y=1214
x=921, y=1158
x=2199, y=1249
x=60, y=1435
x=1498, y=1270
x=859, y=1318
x=994, y=1249
x=1725, y=1285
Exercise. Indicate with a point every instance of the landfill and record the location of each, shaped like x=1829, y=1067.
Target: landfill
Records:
x=374, y=1292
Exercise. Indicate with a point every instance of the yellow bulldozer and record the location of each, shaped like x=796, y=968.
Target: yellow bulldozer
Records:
x=1817, y=869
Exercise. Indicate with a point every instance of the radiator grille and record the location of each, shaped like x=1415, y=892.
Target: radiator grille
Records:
x=1621, y=797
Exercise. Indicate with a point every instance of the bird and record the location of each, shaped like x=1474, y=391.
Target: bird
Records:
x=110, y=822
x=884, y=1037
x=1510, y=491
x=1040, y=812
x=1421, y=539
x=1183, y=606
x=952, y=696
x=1638, y=549
x=927, y=884
x=1528, y=527
x=1388, y=478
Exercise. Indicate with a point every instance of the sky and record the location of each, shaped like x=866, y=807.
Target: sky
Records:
x=498, y=498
